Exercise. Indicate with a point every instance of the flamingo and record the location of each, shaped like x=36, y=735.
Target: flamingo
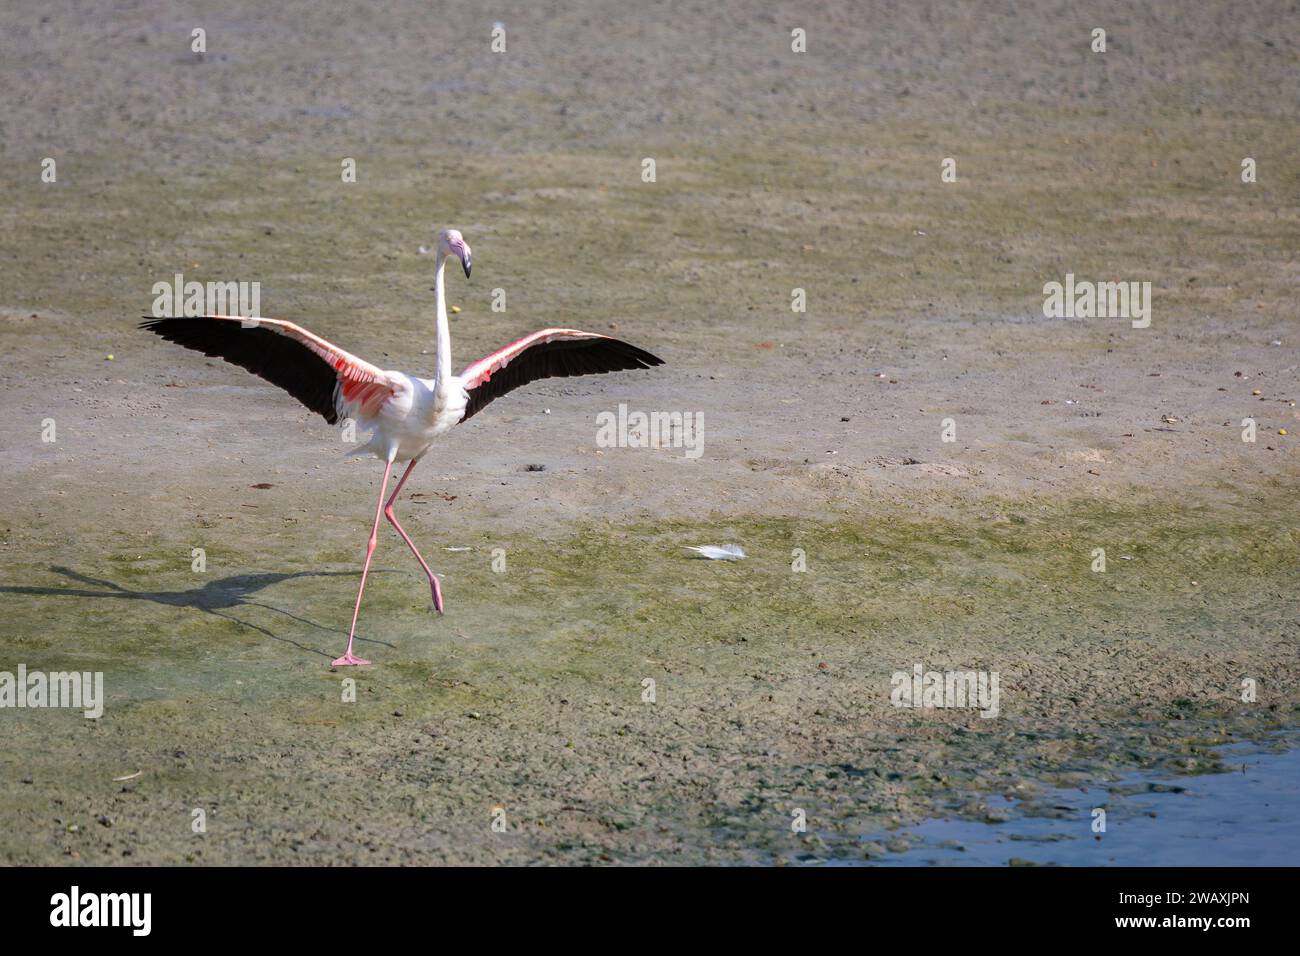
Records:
x=404, y=413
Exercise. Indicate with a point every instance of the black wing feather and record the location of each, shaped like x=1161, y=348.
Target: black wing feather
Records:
x=559, y=358
x=280, y=360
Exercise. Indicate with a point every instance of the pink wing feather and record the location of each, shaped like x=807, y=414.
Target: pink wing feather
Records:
x=545, y=354
x=327, y=379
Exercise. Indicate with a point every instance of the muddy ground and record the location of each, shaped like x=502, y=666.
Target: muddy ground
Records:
x=822, y=430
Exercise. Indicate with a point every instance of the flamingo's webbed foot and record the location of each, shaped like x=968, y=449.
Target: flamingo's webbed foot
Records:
x=347, y=660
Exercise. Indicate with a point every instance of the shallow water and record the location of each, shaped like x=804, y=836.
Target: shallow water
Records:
x=1249, y=816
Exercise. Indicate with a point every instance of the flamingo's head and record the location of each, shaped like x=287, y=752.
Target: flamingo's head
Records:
x=452, y=243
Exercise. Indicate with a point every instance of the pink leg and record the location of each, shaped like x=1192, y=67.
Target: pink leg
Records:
x=347, y=657
x=388, y=513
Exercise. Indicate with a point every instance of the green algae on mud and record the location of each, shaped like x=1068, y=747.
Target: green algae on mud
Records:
x=771, y=685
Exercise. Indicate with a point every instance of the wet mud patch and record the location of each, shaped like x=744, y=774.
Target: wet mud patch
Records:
x=623, y=700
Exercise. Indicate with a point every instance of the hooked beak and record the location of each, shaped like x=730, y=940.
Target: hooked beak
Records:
x=465, y=259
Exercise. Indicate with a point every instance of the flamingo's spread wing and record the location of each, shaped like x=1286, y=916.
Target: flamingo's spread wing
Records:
x=547, y=354
x=325, y=378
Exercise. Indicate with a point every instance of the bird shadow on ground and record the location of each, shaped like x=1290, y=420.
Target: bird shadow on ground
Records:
x=214, y=597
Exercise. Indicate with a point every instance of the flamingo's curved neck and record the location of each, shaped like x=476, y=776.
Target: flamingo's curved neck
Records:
x=444, y=331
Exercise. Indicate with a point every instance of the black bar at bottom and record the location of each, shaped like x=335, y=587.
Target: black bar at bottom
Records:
x=304, y=905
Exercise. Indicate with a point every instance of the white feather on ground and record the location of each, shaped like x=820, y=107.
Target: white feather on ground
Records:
x=714, y=552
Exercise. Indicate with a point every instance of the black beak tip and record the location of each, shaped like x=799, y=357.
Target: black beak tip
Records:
x=466, y=264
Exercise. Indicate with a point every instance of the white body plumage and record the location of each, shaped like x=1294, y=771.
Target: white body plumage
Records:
x=405, y=426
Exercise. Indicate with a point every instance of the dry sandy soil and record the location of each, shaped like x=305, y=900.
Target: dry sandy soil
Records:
x=822, y=430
